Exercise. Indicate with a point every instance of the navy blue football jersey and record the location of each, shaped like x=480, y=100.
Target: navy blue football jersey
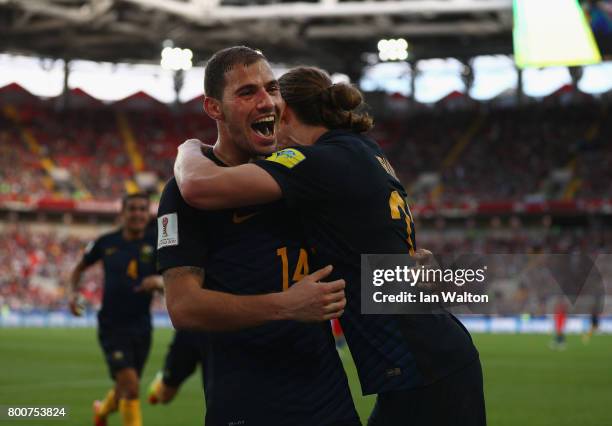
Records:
x=351, y=203
x=282, y=372
x=126, y=263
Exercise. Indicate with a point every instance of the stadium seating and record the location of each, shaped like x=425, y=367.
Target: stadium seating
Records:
x=542, y=151
x=89, y=153
x=35, y=265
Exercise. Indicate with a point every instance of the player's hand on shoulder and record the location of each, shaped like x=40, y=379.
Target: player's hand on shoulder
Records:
x=191, y=145
x=188, y=151
x=150, y=284
x=194, y=146
x=311, y=300
x=189, y=148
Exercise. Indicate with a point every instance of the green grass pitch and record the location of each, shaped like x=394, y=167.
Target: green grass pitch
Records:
x=525, y=382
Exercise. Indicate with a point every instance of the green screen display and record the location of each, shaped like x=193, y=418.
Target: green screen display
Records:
x=552, y=33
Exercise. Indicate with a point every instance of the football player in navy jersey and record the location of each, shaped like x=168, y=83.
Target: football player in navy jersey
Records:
x=124, y=319
x=424, y=368
x=245, y=274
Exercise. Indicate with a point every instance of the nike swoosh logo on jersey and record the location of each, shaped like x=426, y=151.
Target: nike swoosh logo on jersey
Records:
x=239, y=219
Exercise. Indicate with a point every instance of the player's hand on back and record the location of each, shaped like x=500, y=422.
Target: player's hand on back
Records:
x=311, y=300
x=423, y=257
x=150, y=284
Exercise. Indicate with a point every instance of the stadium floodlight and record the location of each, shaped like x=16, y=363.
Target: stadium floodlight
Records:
x=393, y=50
x=175, y=58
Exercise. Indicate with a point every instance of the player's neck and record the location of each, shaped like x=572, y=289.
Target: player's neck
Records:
x=229, y=154
x=130, y=235
x=308, y=135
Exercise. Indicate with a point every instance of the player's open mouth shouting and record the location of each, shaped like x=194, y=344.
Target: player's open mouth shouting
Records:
x=264, y=126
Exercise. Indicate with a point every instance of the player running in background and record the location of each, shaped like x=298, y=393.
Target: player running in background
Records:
x=594, y=320
x=226, y=270
x=124, y=320
x=424, y=368
x=184, y=354
x=594, y=317
x=559, y=318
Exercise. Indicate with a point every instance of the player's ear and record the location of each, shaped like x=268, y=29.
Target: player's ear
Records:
x=212, y=107
x=287, y=116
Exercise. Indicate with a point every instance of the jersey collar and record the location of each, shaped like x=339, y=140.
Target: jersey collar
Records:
x=333, y=134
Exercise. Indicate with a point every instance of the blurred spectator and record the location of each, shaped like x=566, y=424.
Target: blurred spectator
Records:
x=35, y=268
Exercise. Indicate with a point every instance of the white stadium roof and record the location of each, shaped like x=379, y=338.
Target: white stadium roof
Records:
x=335, y=33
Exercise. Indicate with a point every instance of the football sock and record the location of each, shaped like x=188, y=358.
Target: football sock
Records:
x=130, y=412
x=109, y=404
x=155, y=389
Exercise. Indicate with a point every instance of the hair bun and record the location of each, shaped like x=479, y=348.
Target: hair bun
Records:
x=317, y=102
x=344, y=96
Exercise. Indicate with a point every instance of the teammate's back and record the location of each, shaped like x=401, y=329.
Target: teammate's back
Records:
x=353, y=204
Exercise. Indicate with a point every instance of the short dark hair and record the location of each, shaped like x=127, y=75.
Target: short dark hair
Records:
x=135, y=195
x=222, y=62
x=316, y=101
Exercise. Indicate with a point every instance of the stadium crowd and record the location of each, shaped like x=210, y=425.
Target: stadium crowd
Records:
x=34, y=266
x=546, y=150
x=35, y=269
x=510, y=154
x=543, y=150
x=83, y=153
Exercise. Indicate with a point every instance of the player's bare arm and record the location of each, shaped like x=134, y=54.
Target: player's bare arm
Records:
x=73, y=290
x=205, y=185
x=192, y=307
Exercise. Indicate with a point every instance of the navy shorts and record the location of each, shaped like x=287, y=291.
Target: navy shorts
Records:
x=184, y=354
x=456, y=400
x=124, y=349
